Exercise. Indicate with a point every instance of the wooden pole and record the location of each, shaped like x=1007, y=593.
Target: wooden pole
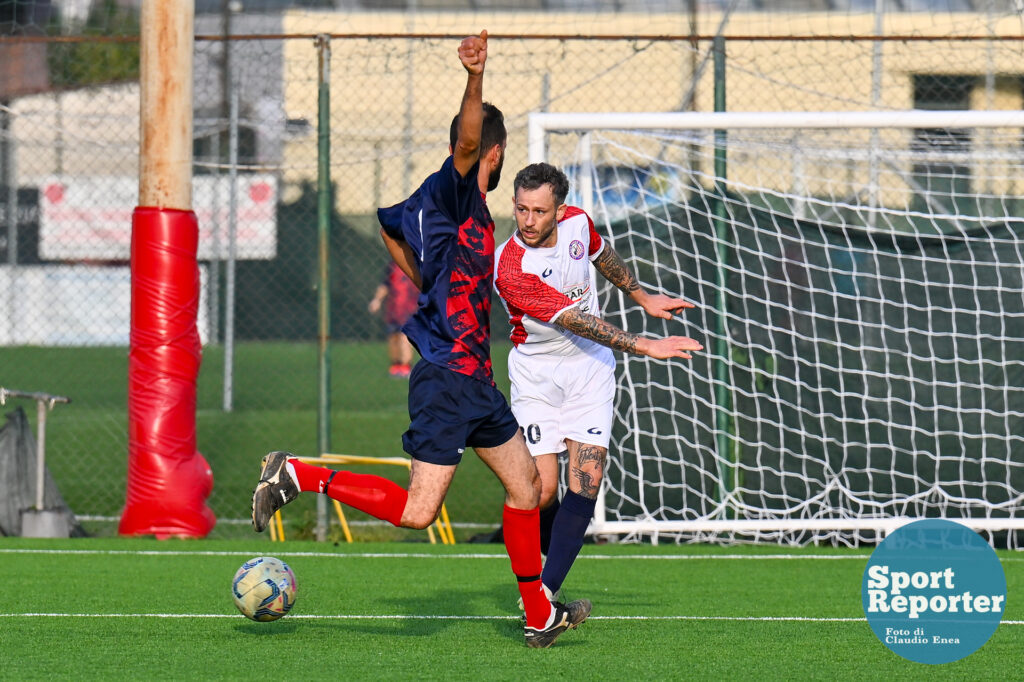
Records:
x=165, y=154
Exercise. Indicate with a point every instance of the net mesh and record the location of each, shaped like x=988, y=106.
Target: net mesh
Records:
x=859, y=297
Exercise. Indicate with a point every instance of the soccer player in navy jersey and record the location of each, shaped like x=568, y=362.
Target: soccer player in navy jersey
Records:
x=443, y=239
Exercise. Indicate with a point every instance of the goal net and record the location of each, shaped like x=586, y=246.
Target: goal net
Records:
x=858, y=282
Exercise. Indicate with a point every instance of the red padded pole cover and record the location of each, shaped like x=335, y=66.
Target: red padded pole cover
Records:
x=168, y=479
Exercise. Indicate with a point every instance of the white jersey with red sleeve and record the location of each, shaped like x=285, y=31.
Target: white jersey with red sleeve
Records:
x=538, y=284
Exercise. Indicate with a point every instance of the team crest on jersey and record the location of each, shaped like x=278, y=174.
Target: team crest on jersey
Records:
x=576, y=249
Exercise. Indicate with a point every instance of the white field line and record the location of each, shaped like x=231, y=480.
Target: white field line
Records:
x=409, y=555
x=264, y=551
x=271, y=551
x=300, y=616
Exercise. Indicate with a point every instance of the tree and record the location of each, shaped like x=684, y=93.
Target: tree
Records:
x=91, y=62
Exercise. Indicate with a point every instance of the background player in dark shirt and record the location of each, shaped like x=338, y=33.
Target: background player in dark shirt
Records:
x=396, y=296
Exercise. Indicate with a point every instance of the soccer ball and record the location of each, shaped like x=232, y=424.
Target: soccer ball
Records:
x=264, y=588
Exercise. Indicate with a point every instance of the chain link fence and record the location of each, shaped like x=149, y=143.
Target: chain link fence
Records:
x=69, y=137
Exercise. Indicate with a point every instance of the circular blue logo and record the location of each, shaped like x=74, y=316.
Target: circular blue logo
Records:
x=576, y=249
x=934, y=591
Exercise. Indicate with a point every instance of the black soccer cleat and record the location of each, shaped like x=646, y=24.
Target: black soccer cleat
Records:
x=578, y=611
x=275, y=489
x=543, y=638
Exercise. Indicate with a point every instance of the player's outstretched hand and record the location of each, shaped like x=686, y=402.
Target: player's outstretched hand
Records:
x=669, y=347
x=660, y=305
x=473, y=53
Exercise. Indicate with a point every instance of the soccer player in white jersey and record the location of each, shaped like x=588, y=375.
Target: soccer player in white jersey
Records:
x=562, y=364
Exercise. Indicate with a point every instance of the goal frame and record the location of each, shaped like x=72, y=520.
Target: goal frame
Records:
x=539, y=124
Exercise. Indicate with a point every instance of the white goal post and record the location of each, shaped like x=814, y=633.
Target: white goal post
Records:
x=859, y=281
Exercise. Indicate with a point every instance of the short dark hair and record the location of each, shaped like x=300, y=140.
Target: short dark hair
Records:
x=493, y=130
x=536, y=175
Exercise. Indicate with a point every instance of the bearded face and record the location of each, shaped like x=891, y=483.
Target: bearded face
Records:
x=537, y=216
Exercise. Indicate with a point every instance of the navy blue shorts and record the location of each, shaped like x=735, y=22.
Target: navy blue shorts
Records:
x=449, y=412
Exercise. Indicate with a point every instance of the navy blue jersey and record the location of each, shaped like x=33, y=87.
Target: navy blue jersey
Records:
x=447, y=225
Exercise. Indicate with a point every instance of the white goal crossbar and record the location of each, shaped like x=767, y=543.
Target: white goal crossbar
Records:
x=544, y=122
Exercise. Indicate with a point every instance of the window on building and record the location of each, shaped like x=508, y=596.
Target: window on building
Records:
x=210, y=150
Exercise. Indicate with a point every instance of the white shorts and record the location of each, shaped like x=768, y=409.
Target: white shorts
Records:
x=555, y=397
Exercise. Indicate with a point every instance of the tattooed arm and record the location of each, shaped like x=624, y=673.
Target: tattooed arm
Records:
x=615, y=270
x=594, y=328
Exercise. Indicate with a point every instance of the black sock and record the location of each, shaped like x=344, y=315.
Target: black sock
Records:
x=547, y=520
x=567, y=535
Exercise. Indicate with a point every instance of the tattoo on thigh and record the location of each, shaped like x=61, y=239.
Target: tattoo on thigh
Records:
x=588, y=469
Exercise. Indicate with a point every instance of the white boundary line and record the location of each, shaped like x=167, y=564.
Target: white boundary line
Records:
x=265, y=551
x=376, y=555
x=272, y=551
x=300, y=616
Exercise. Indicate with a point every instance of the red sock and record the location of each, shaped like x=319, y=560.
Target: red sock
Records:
x=375, y=495
x=521, y=528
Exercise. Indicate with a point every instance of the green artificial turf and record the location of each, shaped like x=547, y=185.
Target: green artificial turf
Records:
x=143, y=609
